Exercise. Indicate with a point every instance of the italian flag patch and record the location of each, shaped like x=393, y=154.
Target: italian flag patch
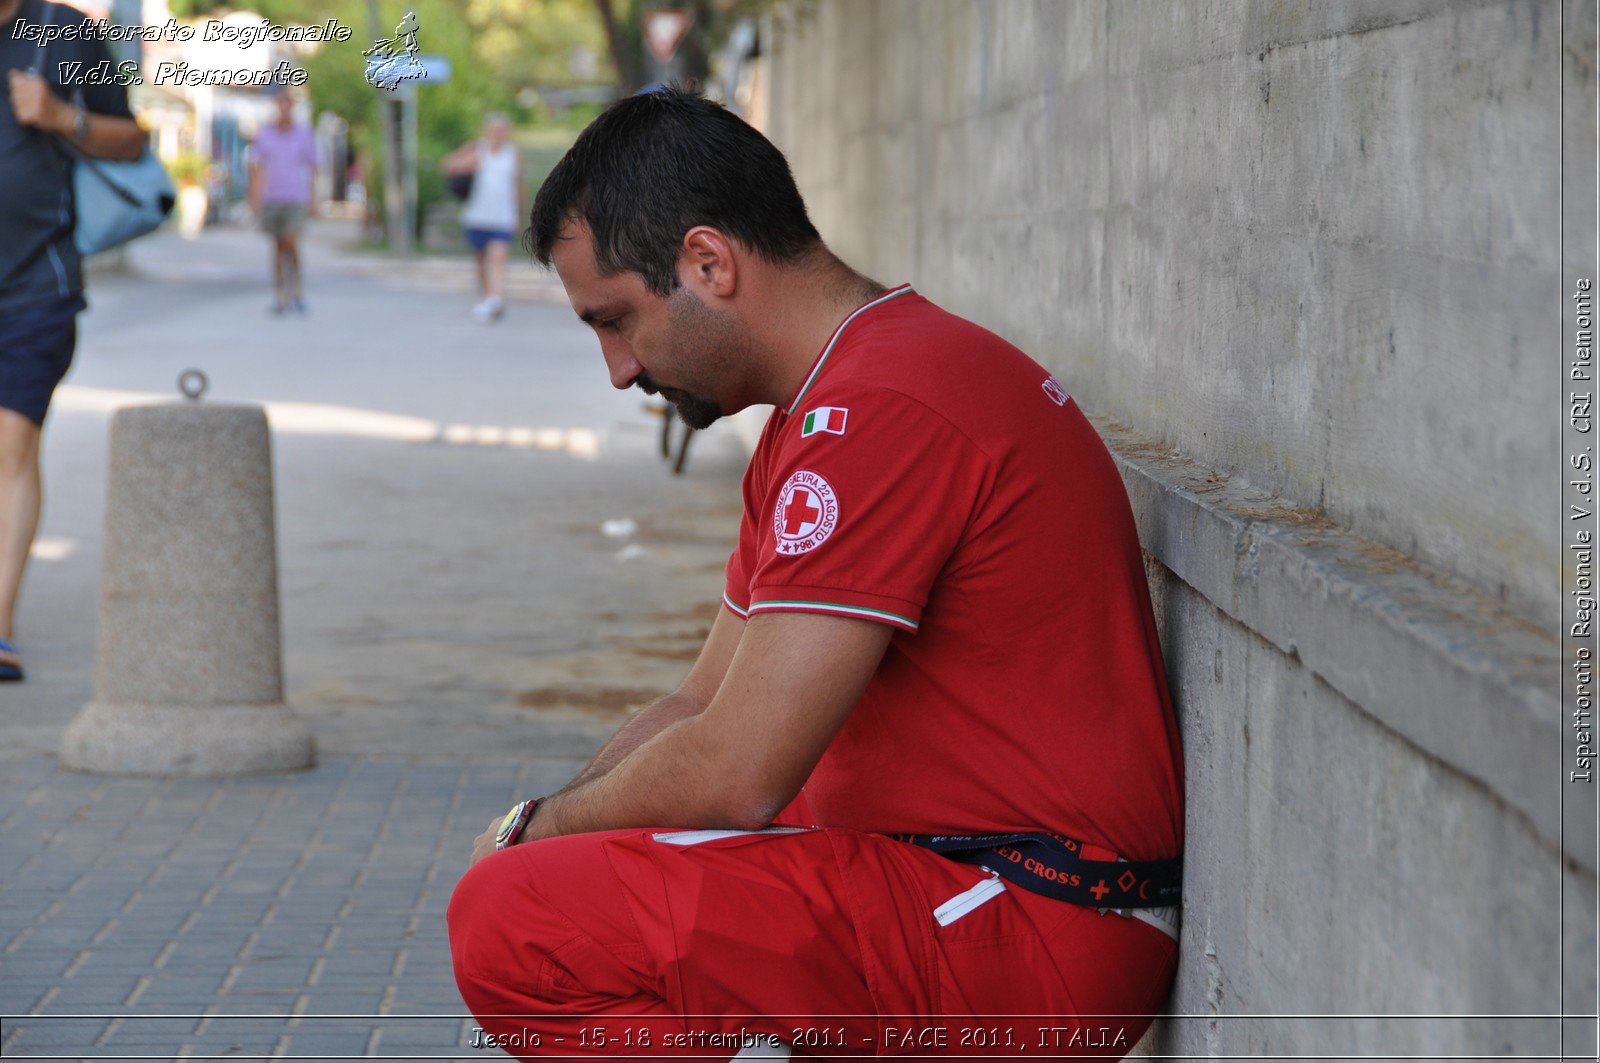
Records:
x=825, y=419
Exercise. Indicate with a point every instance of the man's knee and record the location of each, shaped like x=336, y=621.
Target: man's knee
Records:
x=500, y=922
x=516, y=949
x=483, y=953
x=475, y=916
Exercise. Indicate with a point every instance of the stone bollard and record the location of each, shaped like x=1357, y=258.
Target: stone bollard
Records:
x=188, y=670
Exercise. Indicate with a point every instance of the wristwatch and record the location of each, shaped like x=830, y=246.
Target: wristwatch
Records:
x=511, y=827
x=80, y=124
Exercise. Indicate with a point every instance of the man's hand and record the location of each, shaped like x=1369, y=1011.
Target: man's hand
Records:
x=483, y=844
x=106, y=137
x=35, y=105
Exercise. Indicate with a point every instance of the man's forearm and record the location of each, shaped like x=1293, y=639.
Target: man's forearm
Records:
x=649, y=722
x=105, y=136
x=680, y=777
x=663, y=792
x=112, y=137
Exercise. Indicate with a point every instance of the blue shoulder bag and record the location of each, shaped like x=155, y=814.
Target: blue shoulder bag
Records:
x=118, y=201
x=115, y=201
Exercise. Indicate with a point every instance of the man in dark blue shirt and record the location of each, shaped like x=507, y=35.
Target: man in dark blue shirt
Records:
x=41, y=279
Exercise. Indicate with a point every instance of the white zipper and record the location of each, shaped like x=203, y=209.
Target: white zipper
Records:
x=967, y=900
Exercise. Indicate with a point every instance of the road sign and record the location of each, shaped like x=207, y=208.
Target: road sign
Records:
x=664, y=30
x=435, y=69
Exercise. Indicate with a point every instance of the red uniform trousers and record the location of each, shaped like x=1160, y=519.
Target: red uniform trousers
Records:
x=639, y=943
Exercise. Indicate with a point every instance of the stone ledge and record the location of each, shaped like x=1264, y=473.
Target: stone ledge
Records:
x=1457, y=673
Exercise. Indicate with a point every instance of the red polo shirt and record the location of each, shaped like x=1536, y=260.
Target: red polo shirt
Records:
x=931, y=476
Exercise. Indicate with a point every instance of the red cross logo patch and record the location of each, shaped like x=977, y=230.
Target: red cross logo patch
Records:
x=806, y=514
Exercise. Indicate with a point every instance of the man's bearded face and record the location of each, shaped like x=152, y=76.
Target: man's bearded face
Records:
x=701, y=345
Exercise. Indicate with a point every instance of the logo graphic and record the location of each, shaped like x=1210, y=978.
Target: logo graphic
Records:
x=392, y=61
x=825, y=419
x=1053, y=388
x=806, y=514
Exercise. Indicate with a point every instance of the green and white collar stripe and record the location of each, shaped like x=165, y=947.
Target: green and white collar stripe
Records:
x=836, y=607
x=904, y=289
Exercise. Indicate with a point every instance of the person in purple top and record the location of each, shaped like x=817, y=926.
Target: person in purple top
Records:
x=283, y=167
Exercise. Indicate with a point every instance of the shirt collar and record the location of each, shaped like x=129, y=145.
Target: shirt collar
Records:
x=816, y=367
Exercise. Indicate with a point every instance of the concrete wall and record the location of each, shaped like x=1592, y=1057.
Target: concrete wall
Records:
x=1263, y=233
x=1301, y=263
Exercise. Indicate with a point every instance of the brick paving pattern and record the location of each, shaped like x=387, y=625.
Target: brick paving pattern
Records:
x=447, y=603
x=269, y=916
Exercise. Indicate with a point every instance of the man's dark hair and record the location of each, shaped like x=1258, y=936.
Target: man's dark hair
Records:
x=653, y=166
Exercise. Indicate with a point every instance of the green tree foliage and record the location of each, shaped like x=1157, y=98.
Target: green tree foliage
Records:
x=528, y=43
x=279, y=11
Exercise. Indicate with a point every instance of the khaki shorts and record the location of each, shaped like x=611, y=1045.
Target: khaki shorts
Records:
x=282, y=219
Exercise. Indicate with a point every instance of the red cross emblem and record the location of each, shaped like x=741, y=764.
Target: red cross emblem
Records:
x=1100, y=889
x=799, y=512
x=806, y=513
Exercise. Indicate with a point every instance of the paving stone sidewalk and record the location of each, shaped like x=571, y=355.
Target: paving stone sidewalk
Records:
x=448, y=606
x=297, y=916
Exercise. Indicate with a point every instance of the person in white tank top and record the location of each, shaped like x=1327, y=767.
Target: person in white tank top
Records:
x=493, y=210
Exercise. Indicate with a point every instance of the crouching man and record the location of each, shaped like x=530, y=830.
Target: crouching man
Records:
x=925, y=770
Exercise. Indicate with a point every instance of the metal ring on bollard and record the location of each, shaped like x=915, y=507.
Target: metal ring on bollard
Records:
x=193, y=384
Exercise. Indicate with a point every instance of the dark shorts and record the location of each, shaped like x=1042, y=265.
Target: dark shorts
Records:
x=36, y=345
x=482, y=238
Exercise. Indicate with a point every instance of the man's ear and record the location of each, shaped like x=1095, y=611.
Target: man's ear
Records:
x=707, y=262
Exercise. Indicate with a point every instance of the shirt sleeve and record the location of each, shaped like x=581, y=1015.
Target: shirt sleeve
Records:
x=110, y=99
x=867, y=497
x=736, y=590
x=736, y=583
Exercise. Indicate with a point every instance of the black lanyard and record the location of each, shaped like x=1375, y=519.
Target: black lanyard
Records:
x=1055, y=866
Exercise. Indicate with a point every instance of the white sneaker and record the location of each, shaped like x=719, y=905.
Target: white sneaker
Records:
x=487, y=310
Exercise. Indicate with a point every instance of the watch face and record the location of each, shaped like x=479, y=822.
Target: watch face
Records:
x=507, y=825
